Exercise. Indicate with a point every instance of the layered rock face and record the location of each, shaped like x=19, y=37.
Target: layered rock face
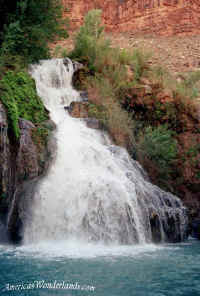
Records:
x=21, y=165
x=162, y=17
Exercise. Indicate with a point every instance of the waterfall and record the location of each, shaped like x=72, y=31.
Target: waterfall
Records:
x=94, y=191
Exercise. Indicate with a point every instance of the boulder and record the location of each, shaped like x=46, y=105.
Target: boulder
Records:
x=79, y=109
x=93, y=123
x=84, y=96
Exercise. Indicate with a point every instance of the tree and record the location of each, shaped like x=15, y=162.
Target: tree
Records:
x=28, y=26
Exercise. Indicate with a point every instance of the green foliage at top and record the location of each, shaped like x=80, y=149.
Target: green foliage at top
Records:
x=18, y=94
x=29, y=26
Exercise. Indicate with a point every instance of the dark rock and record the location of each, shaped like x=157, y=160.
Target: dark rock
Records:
x=3, y=117
x=49, y=124
x=93, y=123
x=66, y=108
x=3, y=233
x=76, y=65
x=84, y=96
x=25, y=125
x=155, y=228
x=195, y=228
x=6, y=172
x=27, y=158
x=20, y=162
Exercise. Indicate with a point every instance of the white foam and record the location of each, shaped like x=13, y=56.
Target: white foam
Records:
x=75, y=250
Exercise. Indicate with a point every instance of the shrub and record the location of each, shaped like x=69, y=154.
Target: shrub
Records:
x=139, y=60
x=107, y=109
x=188, y=86
x=159, y=146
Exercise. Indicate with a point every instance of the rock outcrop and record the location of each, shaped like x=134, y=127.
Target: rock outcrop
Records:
x=162, y=17
x=20, y=168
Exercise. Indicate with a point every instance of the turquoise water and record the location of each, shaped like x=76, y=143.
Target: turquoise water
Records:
x=170, y=270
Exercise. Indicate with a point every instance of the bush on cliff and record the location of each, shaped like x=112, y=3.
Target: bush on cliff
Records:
x=107, y=69
x=157, y=145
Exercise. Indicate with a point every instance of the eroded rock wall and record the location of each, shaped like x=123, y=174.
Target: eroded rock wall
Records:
x=162, y=17
x=21, y=165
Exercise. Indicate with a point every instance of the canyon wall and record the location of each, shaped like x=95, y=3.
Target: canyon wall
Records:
x=162, y=17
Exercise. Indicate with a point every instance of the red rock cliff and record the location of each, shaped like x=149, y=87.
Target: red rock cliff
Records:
x=163, y=17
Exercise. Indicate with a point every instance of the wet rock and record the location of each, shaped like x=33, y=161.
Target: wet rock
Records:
x=27, y=159
x=3, y=233
x=28, y=171
x=155, y=228
x=76, y=65
x=3, y=117
x=84, y=96
x=5, y=159
x=93, y=123
x=49, y=124
x=25, y=125
x=195, y=228
x=66, y=108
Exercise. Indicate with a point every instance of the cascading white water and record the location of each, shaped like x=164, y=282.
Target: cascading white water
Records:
x=93, y=191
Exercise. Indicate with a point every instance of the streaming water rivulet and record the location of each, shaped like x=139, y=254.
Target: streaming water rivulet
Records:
x=94, y=191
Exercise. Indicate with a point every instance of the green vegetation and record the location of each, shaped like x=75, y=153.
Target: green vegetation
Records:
x=144, y=108
x=107, y=77
x=185, y=88
x=27, y=28
x=188, y=86
x=18, y=94
x=107, y=109
x=88, y=42
x=157, y=145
